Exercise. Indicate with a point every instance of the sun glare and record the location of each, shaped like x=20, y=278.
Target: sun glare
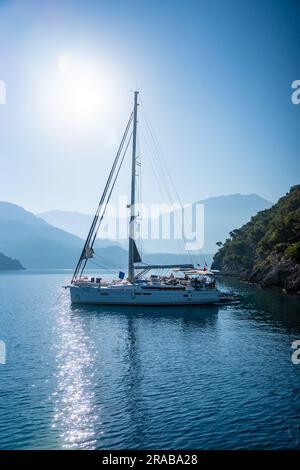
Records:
x=78, y=89
x=74, y=92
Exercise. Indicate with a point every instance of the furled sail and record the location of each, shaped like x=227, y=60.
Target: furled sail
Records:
x=88, y=253
x=136, y=255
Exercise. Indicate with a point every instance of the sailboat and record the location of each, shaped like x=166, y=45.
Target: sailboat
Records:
x=186, y=285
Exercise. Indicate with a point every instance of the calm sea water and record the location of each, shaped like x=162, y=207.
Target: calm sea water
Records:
x=164, y=378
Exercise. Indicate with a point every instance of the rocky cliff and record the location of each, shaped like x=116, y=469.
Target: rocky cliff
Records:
x=266, y=250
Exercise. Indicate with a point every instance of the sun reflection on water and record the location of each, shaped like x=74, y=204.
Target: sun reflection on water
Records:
x=74, y=410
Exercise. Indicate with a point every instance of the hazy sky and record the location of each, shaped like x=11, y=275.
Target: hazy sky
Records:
x=215, y=79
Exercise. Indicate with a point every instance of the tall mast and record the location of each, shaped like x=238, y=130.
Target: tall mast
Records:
x=132, y=201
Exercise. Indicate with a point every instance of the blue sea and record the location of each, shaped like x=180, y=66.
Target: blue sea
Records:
x=146, y=378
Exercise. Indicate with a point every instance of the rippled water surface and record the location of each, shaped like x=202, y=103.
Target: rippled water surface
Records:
x=152, y=378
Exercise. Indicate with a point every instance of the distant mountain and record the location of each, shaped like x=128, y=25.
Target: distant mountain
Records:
x=266, y=250
x=39, y=244
x=73, y=222
x=33, y=241
x=17, y=223
x=9, y=264
x=221, y=214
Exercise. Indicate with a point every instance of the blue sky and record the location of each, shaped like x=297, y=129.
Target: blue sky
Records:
x=215, y=79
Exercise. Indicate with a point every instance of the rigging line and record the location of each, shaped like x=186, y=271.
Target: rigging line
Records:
x=151, y=163
x=82, y=259
x=159, y=156
x=141, y=202
x=159, y=153
x=101, y=266
x=156, y=155
x=111, y=190
x=96, y=263
x=166, y=191
x=118, y=153
x=108, y=263
x=163, y=189
x=139, y=196
x=113, y=265
x=107, y=201
x=113, y=169
x=176, y=214
x=155, y=174
x=105, y=262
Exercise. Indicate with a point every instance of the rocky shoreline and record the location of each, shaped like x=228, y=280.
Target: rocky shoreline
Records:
x=284, y=276
x=266, y=250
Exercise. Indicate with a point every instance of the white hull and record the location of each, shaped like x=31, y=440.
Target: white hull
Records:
x=135, y=295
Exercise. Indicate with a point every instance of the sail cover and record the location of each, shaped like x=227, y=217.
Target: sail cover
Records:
x=136, y=255
x=88, y=253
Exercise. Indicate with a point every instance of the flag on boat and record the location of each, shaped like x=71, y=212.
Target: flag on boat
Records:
x=121, y=275
x=204, y=267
